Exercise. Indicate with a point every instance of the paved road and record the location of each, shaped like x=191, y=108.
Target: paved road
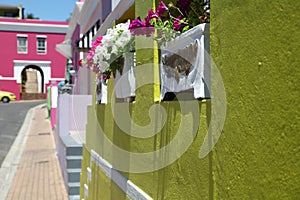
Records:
x=12, y=116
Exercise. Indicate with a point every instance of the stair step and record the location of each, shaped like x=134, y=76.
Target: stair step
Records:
x=72, y=147
x=74, y=197
x=74, y=150
x=73, y=175
x=74, y=162
x=74, y=188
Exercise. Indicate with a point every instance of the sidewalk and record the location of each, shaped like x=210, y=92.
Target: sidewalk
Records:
x=38, y=175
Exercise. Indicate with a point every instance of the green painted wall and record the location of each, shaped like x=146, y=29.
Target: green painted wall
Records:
x=255, y=45
x=189, y=176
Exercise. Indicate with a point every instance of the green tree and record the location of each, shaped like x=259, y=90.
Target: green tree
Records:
x=31, y=16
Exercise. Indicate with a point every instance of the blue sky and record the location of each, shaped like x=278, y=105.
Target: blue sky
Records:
x=53, y=10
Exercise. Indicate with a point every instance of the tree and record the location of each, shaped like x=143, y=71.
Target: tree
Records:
x=31, y=16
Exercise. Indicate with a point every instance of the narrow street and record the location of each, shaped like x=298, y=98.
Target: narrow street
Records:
x=12, y=116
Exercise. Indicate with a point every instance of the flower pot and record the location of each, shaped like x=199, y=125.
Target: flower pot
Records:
x=101, y=90
x=185, y=64
x=125, y=78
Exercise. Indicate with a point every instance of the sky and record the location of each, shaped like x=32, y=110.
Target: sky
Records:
x=51, y=10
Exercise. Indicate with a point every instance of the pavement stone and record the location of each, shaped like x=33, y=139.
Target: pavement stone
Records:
x=38, y=175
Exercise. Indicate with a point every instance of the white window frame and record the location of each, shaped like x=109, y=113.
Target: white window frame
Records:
x=37, y=44
x=19, y=46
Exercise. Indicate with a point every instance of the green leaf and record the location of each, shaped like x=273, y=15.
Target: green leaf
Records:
x=185, y=28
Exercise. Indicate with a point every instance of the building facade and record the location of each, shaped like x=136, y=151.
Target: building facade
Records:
x=29, y=59
x=256, y=154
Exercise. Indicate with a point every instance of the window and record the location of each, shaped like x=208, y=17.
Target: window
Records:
x=41, y=45
x=22, y=44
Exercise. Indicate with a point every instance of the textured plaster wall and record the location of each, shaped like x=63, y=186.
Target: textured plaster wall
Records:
x=255, y=44
x=189, y=177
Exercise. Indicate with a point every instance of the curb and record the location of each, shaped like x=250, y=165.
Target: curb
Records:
x=11, y=162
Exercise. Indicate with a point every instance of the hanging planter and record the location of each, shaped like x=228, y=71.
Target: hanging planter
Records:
x=185, y=63
x=125, y=78
x=178, y=29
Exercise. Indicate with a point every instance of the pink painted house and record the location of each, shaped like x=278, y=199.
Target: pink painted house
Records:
x=29, y=60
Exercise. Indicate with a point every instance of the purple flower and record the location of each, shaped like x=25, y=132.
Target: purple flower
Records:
x=183, y=5
x=135, y=26
x=148, y=31
x=138, y=27
x=162, y=8
x=151, y=15
x=177, y=25
x=137, y=23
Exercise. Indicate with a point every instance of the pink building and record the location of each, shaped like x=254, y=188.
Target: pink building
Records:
x=29, y=60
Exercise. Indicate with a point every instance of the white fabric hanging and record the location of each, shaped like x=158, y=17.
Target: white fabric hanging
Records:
x=125, y=83
x=185, y=63
x=101, y=91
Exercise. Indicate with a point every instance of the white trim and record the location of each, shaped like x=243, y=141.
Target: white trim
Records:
x=37, y=46
x=65, y=49
x=74, y=20
x=30, y=27
x=7, y=78
x=29, y=62
x=54, y=94
x=131, y=190
x=45, y=66
x=116, y=14
x=86, y=191
x=26, y=45
x=22, y=35
x=91, y=12
x=89, y=174
x=41, y=36
x=57, y=79
x=33, y=24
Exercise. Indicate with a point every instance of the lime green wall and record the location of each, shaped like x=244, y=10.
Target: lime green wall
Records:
x=188, y=177
x=255, y=45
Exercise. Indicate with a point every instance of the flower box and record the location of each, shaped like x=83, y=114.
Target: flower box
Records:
x=185, y=64
x=125, y=78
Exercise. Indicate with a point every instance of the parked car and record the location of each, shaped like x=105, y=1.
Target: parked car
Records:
x=6, y=97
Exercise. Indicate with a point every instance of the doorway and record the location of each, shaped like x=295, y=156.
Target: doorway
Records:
x=32, y=84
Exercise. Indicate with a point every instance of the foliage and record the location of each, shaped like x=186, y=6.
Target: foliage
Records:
x=106, y=52
x=169, y=22
x=31, y=16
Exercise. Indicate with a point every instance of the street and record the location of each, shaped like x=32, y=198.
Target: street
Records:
x=12, y=116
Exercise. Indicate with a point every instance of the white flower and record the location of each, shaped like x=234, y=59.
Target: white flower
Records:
x=103, y=66
x=114, y=50
x=114, y=42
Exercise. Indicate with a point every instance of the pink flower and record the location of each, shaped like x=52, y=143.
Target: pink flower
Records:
x=90, y=55
x=95, y=69
x=138, y=27
x=80, y=62
x=137, y=23
x=148, y=31
x=151, y=15
x=97, y=42
x=177, y=25
x=162, y=8
x=105, y=77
